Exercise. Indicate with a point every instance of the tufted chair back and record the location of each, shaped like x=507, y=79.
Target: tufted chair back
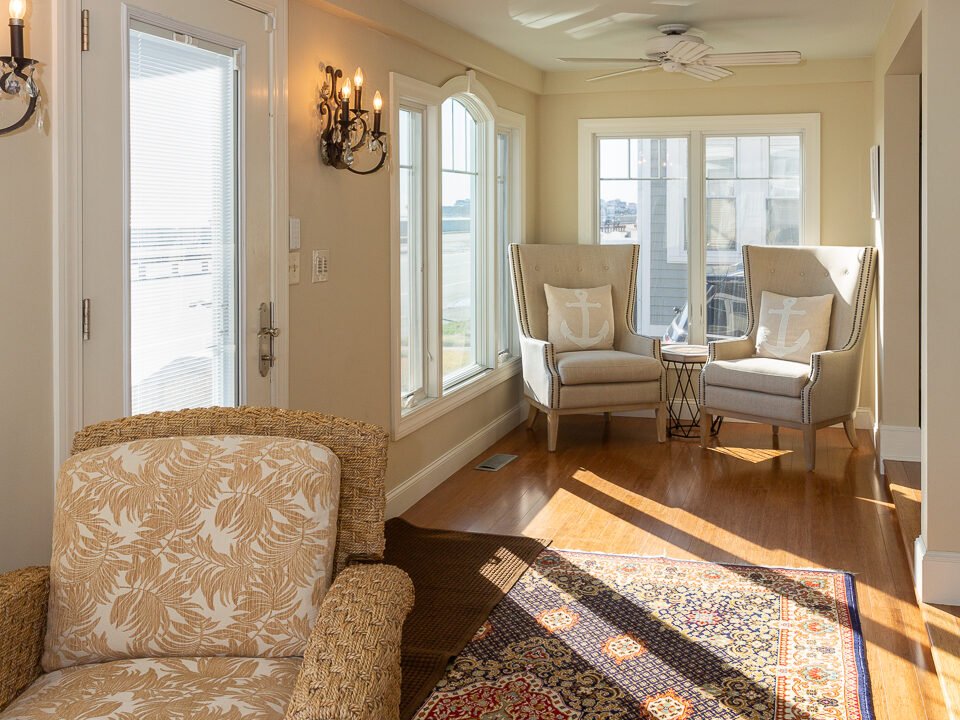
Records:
x=847, y=273
x=574, y=266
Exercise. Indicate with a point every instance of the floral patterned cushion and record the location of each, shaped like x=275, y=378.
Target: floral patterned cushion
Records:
x=187, y=547
x=222, y=688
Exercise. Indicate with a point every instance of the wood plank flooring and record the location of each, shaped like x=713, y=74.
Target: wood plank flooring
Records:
x=613, y=488
x=942, y=621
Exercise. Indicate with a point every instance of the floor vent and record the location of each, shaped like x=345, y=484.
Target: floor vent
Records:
x=495, y=462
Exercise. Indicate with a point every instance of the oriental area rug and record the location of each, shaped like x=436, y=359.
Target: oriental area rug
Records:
x=609, y=637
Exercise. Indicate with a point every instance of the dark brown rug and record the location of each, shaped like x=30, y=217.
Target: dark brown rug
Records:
x=458, y=578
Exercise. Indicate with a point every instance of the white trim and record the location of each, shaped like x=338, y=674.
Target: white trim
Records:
x=898, y=443
x=411, y=490
x=937, y=574
x=67, y=381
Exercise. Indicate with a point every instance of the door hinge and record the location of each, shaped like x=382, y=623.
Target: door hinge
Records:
x=269, y=22
x=85, y=320
x=84, y=30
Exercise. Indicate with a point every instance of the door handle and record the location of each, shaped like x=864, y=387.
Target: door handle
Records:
x=265, y=337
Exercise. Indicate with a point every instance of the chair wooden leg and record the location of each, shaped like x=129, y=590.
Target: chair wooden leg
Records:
x=706, y=425
x=532, y=416
x=776, y=430
x=851, y=430
x=810, y=447
x=606, y=417
x=661, y=413
x=553, y=424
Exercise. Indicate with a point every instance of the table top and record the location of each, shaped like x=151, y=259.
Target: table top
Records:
x=682, y=353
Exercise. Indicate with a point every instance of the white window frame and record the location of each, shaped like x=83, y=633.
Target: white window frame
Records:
x=697, y=129
x=440, y=398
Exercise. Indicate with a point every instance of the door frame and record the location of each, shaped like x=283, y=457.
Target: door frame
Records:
x=67, y=379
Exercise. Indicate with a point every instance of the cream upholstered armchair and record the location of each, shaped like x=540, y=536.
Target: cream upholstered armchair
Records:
x=628, y=377
x=211, y=563
x=806, y=396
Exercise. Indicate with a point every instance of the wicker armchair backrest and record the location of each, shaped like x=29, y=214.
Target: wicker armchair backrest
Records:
x=361, y=448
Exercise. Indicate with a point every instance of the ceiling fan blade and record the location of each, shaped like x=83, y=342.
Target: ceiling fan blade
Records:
x=688, y=52
x=788, y=57
x=608, y=61
x=706, y=72
x=624, y=72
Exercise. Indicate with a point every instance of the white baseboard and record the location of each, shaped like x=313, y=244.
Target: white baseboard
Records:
x=899, y=443
x=937, y=575
x=407, y=493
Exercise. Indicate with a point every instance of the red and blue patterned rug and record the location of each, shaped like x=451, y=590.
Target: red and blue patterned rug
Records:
x=611, y=637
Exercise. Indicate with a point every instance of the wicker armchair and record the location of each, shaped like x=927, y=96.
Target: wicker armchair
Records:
x=351, y=666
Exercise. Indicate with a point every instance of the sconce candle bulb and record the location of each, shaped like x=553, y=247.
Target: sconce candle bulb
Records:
x=16, y=69
x=344, y=131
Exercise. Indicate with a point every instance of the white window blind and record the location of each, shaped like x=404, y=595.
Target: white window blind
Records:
x=183, y=259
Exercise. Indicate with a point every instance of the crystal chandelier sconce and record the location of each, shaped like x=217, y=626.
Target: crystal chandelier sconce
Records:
x=346, y=134
x=16, y=71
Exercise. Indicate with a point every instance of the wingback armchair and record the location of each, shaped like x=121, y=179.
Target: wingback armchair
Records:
x=806, y=396
x=278, y=664
x=628, y=377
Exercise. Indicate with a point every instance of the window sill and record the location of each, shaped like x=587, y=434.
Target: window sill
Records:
x=433, y=408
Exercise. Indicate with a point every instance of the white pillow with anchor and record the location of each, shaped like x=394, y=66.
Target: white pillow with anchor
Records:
x=579, y=318
x=791, y=328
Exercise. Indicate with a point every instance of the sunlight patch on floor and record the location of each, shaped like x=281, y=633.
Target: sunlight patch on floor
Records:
x=751, y=455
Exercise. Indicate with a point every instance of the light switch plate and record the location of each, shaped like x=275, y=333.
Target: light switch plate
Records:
x=293, y=268
x=320, y=265
x=294, y=234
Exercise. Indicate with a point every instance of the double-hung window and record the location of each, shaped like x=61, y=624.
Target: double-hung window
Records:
x=692, y=192
x=456, y=204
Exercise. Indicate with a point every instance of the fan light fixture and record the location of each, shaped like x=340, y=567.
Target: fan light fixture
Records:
x=344, y=130
x=676, y=51
x=16, y=70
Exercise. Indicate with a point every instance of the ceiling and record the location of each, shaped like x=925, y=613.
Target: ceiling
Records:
x=539, y=31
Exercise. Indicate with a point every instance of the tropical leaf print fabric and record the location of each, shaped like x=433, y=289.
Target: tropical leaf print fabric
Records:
x=221, y=688
x=191, y=547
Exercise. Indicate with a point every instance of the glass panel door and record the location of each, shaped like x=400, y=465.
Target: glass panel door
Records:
x=183, y=235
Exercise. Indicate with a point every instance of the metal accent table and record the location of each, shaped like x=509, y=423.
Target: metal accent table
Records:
x=685, y=360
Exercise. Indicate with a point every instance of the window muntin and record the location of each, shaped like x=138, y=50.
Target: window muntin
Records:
x=460, y=299
x=411, y=254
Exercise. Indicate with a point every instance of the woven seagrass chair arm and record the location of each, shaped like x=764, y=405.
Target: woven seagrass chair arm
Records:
x=23, y=622
x=351, y=669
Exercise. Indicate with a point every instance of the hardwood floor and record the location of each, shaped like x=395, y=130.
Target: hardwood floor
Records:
x=613, y=488
x=942, y=621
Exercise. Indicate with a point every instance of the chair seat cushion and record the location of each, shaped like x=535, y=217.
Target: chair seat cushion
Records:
x=765, y=375
x=174, y=688
x=191, y=546
x=588, y=367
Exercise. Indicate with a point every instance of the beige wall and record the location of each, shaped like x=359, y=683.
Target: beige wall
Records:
x=340, y=330
x=26, y=404
x=845, y=106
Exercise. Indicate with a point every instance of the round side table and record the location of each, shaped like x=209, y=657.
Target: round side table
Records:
x=685, y=360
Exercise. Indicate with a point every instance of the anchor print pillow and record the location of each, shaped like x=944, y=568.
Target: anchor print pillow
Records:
x=791, y=328
x=579, y=318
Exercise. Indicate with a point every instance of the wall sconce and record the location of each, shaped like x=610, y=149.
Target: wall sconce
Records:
x=344, y=130
x=16, y=71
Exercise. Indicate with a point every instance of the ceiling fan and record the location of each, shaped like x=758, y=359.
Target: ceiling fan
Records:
x=676, y=51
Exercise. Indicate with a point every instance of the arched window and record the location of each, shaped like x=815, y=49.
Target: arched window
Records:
x=457, y=192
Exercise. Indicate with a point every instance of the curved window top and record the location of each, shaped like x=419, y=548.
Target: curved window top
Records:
x=459, y=136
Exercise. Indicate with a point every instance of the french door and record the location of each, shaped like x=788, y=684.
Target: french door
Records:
x=177, y=206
